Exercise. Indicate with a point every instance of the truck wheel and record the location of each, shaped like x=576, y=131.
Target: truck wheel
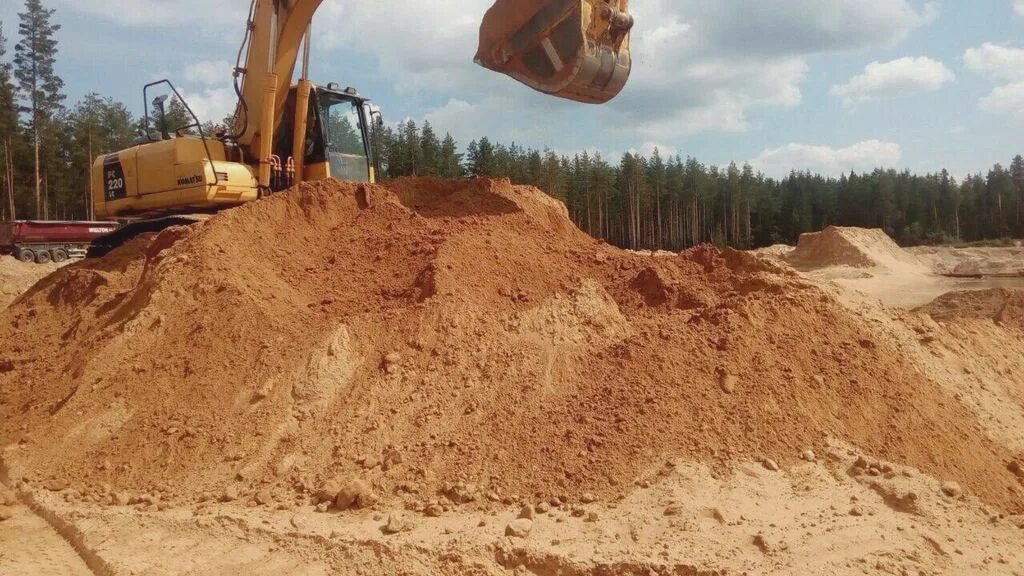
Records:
x=26, y=255
x=42, y=257
x=60, y=255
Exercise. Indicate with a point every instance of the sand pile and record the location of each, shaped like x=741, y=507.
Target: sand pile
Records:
x=1002, y=305
x=432, y=338
x=17, y=276
x=854, y=247
x=1007, y=261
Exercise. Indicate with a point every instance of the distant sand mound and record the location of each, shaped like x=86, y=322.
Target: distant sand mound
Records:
x=1002, y=305
x=855, y=247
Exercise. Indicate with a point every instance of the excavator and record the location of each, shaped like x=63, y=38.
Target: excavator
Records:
x=285, y=133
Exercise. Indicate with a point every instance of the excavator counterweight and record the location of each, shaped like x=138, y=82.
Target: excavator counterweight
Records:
x=575, y=49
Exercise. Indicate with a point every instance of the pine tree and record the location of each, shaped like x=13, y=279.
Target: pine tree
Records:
x=450, y=161
x=410, y=152
x=1000, y=190
x=430, y=150
x=481, y=159
x=1017, y=174
x=174, y=120
x=95, y=126
x=35, y=56
x=8, y=96
x=8, y=130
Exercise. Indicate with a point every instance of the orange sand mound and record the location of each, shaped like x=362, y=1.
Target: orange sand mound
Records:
x=445, y=337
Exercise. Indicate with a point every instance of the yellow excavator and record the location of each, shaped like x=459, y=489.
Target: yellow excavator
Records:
x=285, y=133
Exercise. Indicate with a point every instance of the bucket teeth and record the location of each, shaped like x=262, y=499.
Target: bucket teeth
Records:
x=575, y=49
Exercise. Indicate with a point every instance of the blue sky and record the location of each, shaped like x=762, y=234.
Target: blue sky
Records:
x=827, y=86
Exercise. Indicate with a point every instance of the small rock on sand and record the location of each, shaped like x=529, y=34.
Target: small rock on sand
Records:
x=6, y=514
x=391, y=362
x=7, y=497
x=434, y=511
x=588, y=498
x=396, y=523
x=57, y=485
x=770, y=464
x=519, y=528
x=264, y=497
x=327, y=492
x=526, y=512
x=727, y=382
x=1016, y=468
x=769, y=544
x=356, y=494
x=230, y=494
x=809, y=456
x=952, y=489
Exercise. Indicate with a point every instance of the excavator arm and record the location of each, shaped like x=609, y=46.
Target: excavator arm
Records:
x=277, y=29
x=575, y=49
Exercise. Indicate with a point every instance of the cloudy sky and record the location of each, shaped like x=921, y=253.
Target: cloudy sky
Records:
x=806, y=84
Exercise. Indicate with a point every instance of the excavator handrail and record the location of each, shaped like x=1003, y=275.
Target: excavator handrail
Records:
x=198, y=125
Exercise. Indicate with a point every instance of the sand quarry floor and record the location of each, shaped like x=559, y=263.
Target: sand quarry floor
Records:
x=431, y=377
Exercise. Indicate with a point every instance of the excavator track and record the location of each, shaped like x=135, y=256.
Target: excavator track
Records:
x=106, y=244
x=29, y=545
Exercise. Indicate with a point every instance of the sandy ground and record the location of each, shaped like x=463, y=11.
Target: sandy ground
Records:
x=906, y=290
x=16, y=277
x=825, y=517
x=1003, y=261
x=911, y=278
x=839, y=511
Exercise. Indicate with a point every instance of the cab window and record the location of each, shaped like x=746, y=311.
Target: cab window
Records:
x=346, y=147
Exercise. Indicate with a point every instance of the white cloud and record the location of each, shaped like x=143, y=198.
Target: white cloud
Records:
x=862, y=156
x=1007, y=99
x=896, y=78
x=161, y=13
x=1000, y=63
x=699, y=65
x=1018, y=7
x=209, y=72
x=648, y=148
x=213, y=104
x=502, y=118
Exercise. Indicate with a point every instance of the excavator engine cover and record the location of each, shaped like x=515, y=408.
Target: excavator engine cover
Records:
x=575, y=49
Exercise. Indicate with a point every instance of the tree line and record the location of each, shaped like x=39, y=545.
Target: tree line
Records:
x=47, y=147
x=669, y=202
x=636, y=201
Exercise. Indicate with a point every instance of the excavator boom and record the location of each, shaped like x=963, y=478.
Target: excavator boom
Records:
x=575, y=49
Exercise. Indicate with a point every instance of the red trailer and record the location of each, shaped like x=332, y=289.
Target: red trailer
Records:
x=42, y=242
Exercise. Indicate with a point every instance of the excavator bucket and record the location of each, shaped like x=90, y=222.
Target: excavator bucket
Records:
x=575, y=49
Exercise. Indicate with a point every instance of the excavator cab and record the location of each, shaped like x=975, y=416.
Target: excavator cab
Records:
x=575, y=49
x=338, y=135
x=344, y=124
